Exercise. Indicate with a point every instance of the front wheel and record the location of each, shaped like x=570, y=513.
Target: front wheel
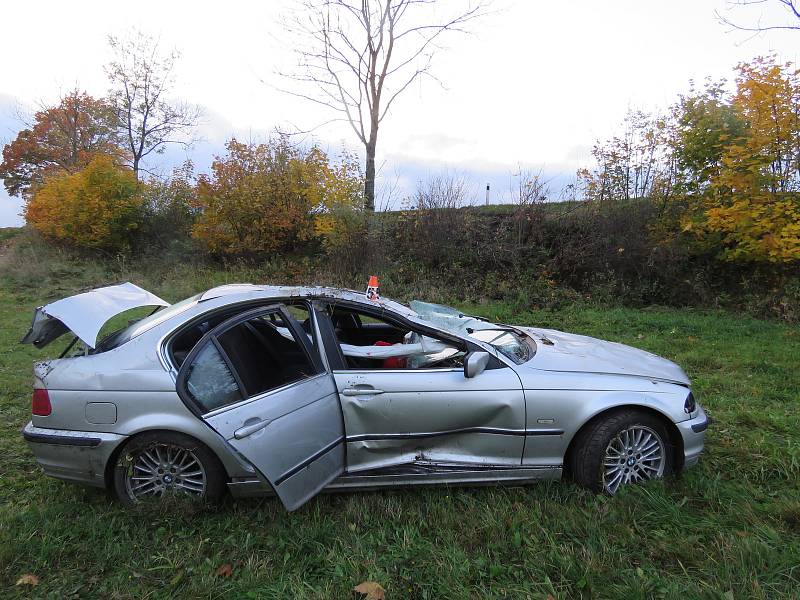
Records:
x=160, y=464
x=629, y=446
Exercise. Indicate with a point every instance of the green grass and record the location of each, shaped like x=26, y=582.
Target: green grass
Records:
x=729, y=528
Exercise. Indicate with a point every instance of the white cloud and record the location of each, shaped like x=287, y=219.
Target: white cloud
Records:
x=534, y=85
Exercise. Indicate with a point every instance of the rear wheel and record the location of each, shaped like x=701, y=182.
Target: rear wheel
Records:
x=629, y=446
x=160, y=464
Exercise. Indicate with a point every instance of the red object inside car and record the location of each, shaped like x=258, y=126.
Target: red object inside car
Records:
x=394, y=362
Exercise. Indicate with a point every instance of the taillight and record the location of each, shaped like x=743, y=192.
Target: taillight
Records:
x=40, y=404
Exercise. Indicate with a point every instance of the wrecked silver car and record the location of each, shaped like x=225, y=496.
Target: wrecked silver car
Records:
x=257, y=389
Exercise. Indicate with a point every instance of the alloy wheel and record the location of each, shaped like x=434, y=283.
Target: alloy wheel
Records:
x=163, y=469
x=635, y=454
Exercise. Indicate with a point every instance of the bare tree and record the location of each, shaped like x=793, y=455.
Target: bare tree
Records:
x=438, y=223
x=142, y=77
x=529, y=197
x=637, y=164
x=532, y=188
x=791, y=9
x=442, y=192
x=358, y=56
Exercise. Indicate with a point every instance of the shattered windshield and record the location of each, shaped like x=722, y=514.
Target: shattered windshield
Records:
x=510, y=342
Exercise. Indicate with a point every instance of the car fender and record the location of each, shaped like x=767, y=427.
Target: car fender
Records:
x=568, y=411
x=190, y=425
x=664, y=404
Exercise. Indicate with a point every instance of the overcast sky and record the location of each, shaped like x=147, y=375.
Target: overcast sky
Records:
x=534, y=86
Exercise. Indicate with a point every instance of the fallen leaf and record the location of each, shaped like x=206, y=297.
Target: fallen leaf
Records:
x=225, y=570
x=31, y=580
x=371, y=590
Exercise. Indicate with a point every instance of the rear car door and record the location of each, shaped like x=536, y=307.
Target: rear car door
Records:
x=258, y=380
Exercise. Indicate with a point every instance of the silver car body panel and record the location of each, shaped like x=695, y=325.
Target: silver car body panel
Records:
x=79, y=456
x=519, y=417
x=132, y=378
x=293, y=436
x=85, y=314
x=395, y=417
x=692, y=433
x=571, y=353
x=435, y=475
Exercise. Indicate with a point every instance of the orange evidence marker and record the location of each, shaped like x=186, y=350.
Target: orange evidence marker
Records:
x=372, y=289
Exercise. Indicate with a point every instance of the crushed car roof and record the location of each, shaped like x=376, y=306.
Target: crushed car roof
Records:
x=289, y=291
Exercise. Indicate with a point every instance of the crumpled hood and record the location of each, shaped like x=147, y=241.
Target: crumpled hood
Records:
x=582, y=354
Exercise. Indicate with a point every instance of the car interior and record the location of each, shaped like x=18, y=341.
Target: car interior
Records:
x=264, y=354
x=182, y=344
x=262, y=351
x=355, y=328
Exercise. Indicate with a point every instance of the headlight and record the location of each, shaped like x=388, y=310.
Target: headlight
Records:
x=690, y=405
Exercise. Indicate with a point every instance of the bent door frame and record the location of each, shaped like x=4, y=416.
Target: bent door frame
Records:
x=244, y=434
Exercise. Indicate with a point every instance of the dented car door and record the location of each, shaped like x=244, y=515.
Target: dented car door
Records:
x=429, y=416
x=432, y=416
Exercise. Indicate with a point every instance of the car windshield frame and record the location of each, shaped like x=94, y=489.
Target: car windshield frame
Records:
x=455, y=321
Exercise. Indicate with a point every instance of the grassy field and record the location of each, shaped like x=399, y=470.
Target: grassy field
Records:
x=729, y=528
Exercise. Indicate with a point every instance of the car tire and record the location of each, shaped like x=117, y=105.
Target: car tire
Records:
x=607, y=455
x=157, y=464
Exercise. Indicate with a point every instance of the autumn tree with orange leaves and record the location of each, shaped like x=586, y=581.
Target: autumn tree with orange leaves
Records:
x=272, y=197
x=723, y=167
x=747, y=200
x=61, y=139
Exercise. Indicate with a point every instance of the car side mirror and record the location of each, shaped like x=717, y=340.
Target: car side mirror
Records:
x=475, y=363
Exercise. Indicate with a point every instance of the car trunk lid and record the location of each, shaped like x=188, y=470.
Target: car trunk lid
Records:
x=85, y=314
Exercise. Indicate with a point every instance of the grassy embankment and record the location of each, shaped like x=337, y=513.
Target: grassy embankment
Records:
x=729, y=528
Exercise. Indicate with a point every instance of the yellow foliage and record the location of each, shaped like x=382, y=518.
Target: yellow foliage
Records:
x=97, y=207
x=340, y=220
x=270, y=197
x=751, y=202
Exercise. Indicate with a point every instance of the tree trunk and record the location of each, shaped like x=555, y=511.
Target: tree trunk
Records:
x=369, y=180
x=136, y=168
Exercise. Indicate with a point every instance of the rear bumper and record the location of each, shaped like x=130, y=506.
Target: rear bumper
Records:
x=693, y=433
x=78, y=456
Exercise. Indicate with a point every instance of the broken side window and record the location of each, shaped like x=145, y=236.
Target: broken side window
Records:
x=368, y=342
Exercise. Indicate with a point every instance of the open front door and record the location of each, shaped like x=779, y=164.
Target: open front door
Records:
x=258, y=381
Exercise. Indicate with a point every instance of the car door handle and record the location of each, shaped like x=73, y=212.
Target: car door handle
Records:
x=361, y=391
x=243, y=432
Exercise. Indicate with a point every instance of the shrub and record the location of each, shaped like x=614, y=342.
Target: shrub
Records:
x=268, y=198
x=434, y=231
x=339, y=218
x=96, y=208
x=169, y=209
